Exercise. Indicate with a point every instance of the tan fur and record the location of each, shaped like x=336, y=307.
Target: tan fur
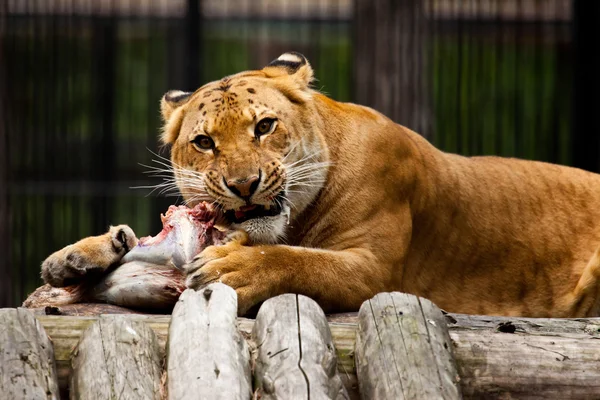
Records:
x=481, y=235
x=91, y=255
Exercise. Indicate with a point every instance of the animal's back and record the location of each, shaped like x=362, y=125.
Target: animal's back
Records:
x=516, y=233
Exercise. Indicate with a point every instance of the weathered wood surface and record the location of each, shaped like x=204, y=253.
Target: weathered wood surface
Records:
x=296, y=357
x=403, y=350
x=84, y=310
x=527, y=358
x=536, y=326
x=504, y=365
x=117, y=358
x=207, y=357
x=65, y=332
x=27, y=369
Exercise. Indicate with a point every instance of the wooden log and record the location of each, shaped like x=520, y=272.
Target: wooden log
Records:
x=206, y=354
x=27, y=369
x=117, y=358
x=296, y=356
x=65, y=332
x=536, y=326
x=526, y=358
x=84, y=310
x=403, y=350
x=504, y=365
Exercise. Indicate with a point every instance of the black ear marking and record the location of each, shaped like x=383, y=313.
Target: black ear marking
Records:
x=176, y=96
x=291, y=60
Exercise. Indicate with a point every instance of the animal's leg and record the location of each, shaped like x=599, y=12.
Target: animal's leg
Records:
x=585, y=298
x=339, y=280
x=90, y=255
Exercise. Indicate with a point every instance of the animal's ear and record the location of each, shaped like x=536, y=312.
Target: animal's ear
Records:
x=172, y=113
x=172, y=100
x=293, y=64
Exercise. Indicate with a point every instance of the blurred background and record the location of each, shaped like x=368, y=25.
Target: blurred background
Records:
x=80, y=83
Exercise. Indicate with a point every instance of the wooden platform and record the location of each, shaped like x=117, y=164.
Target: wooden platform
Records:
x=397, y=347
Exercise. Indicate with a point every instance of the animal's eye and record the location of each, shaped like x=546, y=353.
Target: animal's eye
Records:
x=264, y=126
x=204, y=142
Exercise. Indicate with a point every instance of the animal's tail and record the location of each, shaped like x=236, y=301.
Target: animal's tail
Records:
x=586, y=295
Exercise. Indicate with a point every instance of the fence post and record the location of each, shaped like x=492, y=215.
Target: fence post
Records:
x=103, y=137
x=390, y=61
x=586, y=81
x=184, y=50
x=6, y=283
x=192, y=40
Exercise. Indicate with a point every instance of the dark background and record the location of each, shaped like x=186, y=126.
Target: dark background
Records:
x=80, y=83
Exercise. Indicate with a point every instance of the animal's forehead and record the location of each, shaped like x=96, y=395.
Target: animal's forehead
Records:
x=234, y=88
x=230, y=100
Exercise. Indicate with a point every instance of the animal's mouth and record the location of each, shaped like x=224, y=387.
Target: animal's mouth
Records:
x=256, y=210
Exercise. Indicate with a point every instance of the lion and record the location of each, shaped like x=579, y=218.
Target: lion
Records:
x=340, y=203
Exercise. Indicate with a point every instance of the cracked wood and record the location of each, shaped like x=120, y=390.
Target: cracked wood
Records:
x=403, y=350
x=117, y=358
x=207, y=357
x=581, y=336
x=27, y=369
x=296, y=358
x=503, y=365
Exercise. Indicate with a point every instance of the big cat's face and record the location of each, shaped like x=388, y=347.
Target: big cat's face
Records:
x=235, y=148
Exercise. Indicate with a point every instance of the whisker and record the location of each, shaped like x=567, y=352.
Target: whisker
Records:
x=307, y=178
x=300, y=185
x=163, y=158
x=286, y=199
x=318, y=164
x=306, y=175
x=308, y=167
x=291, y=150
x=306, y=157
x=188, y=176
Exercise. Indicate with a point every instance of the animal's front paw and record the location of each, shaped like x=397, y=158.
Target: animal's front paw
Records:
x=88, y=256
x=244, y=268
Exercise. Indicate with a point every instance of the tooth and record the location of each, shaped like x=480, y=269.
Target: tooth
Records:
x=268, y=206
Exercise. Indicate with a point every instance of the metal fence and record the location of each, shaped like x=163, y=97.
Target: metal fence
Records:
x=81, y=80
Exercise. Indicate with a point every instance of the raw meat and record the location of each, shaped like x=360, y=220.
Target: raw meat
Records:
x=150, y=276
x=186, y=231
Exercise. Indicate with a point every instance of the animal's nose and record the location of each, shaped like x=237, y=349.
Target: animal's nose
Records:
x=244, y=188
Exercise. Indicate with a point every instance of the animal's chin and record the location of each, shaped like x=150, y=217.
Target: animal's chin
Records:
x=256, y=211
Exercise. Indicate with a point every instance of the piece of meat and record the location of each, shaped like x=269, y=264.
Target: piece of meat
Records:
x=150, y=276
x=140, y=285
x=186, y=231
x=136, y=285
